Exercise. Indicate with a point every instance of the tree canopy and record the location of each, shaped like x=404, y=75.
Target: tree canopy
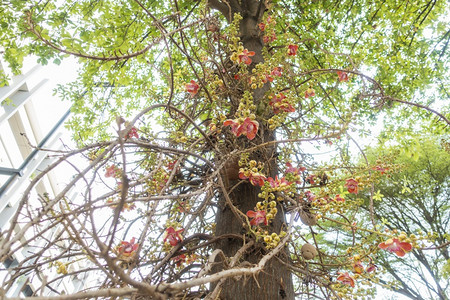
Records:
x=198, y=122
x=414, y=199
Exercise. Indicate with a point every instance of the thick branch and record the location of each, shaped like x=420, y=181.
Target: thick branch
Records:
x=223, y=8
x=115, y=292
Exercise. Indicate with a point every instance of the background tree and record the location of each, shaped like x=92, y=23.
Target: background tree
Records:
x=415, y=199
x=195, y=118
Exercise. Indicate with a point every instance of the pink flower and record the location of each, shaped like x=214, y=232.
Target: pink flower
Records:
x=192, y=87
x=249, y=127
x=371, y=267
x=258, y=217
x=262, y=25
x=278, y=183
x=345, y=278
x=133, y=133
x=310, y=93
x=352, y=186
x=234, y=125
x=245, y=56
x=358, y=268
x=127, y=248
x=255, y=178
x=310, y=196
x=110, y=171
x=276, y=71
x=269, y=38
x=113, y=171
x=295, y=171
x=343, y=76
x=279, y=103
x=292, y=50
x=396, y=246
x=174, y=236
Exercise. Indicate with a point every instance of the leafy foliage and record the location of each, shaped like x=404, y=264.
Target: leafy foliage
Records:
x=415, y=200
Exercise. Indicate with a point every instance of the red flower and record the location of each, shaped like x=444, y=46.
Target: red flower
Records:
x=310, y=93
x=255, y=178
x=381, y=169
x=172, y=164
x=276, y=71
x=132, y=133
x=258, y=217
x=280, y=104
x=358, y=267
x=352, y=186
x=192, y=87
x=234, y=125
x=182, y=258
x=292, y=50
x=267, y=78
x=262, y=26
x=178, y=260
x=249, y=127
x=244, y=56
x=174, y=236
x=127, y=249
x=343, y=76
x=338, y=198
x=345, y=278
x=396, y=246
x=311, y=179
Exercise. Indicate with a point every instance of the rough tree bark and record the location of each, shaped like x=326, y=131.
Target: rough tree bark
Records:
x=275, y=281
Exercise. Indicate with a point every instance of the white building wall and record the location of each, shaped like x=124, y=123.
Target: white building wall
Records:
x=29, y=115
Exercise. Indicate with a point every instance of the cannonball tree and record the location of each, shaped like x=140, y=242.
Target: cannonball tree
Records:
x=197, y=123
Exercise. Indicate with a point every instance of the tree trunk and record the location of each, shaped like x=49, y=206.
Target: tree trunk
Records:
x=275, y=281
